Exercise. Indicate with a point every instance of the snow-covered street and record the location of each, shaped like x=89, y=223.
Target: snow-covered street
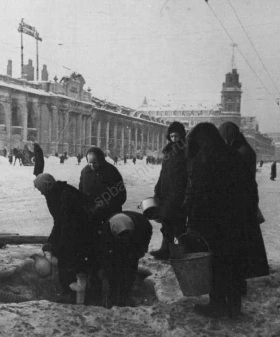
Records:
x=23, y=210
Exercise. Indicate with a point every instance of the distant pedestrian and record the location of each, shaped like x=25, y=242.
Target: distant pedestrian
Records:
x=65, y=155
x=5, y=152
x=62, y=159
x=134, y=160
x=79, y=157
x=39, y=160
x=124, y=159
x=261, y=163
x=273, y=173
x=115, y=160
x=10, y=158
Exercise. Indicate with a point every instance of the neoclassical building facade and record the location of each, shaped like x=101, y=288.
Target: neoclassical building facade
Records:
x=65, y=117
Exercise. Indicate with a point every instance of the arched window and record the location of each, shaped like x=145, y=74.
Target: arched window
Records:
x=2, y=115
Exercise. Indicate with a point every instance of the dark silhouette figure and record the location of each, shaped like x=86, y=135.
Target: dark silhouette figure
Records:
x=62, y=159
x=273, y=172
x=39, y=160
x=10, y=159
x=79, y=157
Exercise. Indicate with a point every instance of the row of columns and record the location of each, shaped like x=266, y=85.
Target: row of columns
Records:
x=60, y=129
x=154, y=136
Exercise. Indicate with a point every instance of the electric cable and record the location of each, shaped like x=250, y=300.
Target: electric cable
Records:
x=251, y=42
x=248, y=63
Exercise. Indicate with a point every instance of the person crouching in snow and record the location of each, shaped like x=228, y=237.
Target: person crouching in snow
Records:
x=72, y=231
x=170, y=189
x=104, y=185
x=124, y=240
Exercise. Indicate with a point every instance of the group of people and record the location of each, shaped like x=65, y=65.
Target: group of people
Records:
x=124, y=159
x=207, y=187
x=91, y=232
x=27, y=157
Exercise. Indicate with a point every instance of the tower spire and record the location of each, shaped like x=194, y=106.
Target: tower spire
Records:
x=233, y=55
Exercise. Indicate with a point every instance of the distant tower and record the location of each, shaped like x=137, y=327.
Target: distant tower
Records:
x=28, y=71
x=10, y=68
x=145, y=103
x=44, y=73
x=231, y=94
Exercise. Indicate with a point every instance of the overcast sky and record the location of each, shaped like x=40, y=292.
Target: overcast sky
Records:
x=173, y=52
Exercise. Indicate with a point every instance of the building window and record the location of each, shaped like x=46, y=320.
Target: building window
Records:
x=2, y=115
x=16, y=116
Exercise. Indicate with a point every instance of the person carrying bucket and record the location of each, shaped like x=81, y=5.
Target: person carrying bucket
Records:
x=170, y=189
x=215, y=208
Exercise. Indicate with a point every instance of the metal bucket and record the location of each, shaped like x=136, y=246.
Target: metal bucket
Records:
x=193, y=271
x=150, y=208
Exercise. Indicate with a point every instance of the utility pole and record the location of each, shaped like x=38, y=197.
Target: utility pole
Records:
x=36, y=36
x=20, y=29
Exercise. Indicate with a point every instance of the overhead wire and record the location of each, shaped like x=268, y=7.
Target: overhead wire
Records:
x=248, y=63
x=252, y=44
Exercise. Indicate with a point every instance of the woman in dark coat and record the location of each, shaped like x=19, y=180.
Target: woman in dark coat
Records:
x=170, y=189
x=39, y=160
x=103, y=183
x=73, y=236
x=257, y=264
x=124, y=240
x=217, y=179
x=273, y=172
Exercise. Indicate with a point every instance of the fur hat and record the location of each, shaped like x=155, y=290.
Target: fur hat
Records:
x=176, y=127
x=43, y=181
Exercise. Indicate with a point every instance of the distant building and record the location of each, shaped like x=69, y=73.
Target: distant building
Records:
x=62, y=116
x=44, y=73
x=228, y=110
x=10, y=68
x=28, y=71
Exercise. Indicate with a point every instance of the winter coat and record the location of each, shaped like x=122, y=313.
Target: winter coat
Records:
x=74, y=234
x=104, y=186
x=172, y=182
x=117, y=250
x=256, y=264
x=217, y=183
x=273, y=173
x=39, y=160
x=55, y=203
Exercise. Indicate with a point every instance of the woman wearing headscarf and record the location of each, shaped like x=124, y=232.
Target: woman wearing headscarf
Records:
x=215, y=211
x=256, y=264
x=124, y=239
x=72, y=239
x=170, y=189
x=39, y=160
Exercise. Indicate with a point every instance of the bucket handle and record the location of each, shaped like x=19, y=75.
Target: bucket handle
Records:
x=195, y=235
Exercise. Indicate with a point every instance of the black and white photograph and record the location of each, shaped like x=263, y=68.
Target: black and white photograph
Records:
x=139, y=148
